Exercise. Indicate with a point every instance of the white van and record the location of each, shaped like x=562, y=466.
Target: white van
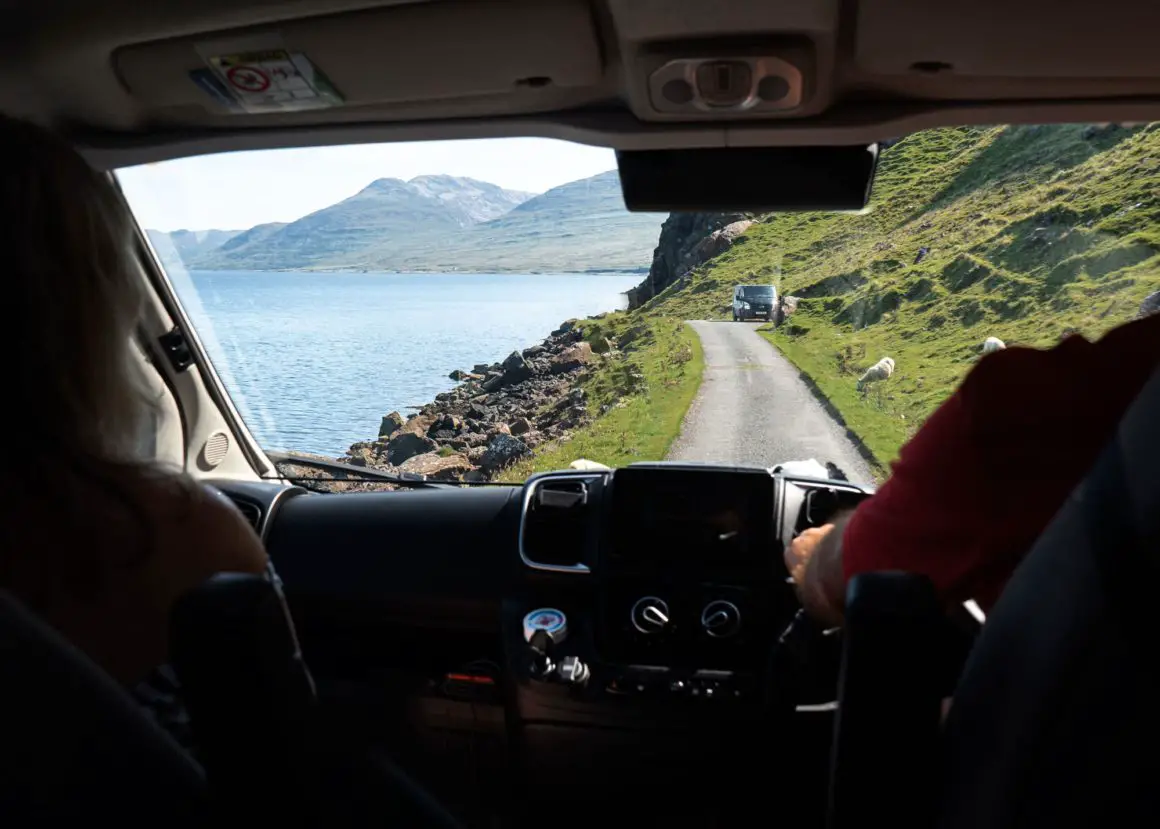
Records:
x=754, y=302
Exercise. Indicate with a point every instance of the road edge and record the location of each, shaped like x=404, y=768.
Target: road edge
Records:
x=877, y=467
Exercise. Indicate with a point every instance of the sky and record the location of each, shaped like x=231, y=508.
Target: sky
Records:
x=235, y=191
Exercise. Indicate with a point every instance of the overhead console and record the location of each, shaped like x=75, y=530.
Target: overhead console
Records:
x=399, y=55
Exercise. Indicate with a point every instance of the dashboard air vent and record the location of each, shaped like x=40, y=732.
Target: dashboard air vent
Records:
x=554, y=524
x=251, y=511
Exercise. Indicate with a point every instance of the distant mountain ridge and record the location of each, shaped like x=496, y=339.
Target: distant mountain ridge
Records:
x=192, y=244
x=439, y=223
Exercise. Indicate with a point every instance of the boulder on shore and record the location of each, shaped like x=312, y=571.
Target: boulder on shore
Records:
x=572, y=357
x=419, y=424
x=407, y=445
x=503, y=450
x=391, y=423
x=437, y=467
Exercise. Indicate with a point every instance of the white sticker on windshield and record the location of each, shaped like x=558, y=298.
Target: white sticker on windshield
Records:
x=275, y=80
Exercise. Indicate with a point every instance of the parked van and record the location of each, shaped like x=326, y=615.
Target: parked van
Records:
x=754, y=302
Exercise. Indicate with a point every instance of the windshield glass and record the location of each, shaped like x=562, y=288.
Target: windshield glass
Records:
x=478, y=311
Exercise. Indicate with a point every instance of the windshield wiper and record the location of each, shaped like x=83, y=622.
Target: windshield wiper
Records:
x=405, y=479
x=347, y=471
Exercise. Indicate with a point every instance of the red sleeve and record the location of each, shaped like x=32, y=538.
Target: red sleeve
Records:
x=977, y=484
x=924, y=518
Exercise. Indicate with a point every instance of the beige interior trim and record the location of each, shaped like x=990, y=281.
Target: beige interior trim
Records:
x=202, y=411
x=115, y=75
x=858, y=125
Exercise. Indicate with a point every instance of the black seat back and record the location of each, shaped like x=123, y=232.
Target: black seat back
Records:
x=1055, y=720
x=75, y=749
x=889, y=690
x=270, y=759
x=250, y=697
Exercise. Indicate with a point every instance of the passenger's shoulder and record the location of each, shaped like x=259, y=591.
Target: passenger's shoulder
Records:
x=198, y=519
x=1002, y=371
x=1133, y=345
x=228, y=537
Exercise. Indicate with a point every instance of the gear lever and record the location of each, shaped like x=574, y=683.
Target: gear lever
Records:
x=786, y=661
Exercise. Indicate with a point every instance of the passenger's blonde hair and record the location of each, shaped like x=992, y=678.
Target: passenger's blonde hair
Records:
x=74, y=298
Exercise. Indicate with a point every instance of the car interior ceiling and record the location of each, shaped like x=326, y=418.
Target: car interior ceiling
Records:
x=490, y=656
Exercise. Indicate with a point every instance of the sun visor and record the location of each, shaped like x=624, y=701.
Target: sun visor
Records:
x=417, y=52
x=748, y=179
x=998, y=38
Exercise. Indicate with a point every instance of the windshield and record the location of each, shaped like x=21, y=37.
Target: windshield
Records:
x=479, y=311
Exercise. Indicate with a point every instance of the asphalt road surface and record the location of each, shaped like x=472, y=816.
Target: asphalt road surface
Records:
x=754, y=409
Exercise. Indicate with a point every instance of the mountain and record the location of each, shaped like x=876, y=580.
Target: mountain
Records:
x=473, y=201
x=188, y=245
x=385, y=213
x=255, y=235
x=443, y=223
x=579, y=226
x=1025, y=233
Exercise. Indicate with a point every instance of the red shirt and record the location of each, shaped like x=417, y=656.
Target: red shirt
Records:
x=974, y=488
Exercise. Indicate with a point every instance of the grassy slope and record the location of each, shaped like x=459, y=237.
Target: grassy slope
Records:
x=1031, y=231
x=640, y=393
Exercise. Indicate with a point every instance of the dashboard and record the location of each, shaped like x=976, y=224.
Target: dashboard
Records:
x=605, y=637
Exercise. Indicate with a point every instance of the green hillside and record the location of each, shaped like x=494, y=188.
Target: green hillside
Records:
x=1030, y=232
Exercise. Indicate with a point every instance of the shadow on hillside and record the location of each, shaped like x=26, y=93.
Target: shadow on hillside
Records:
x=1022, y=152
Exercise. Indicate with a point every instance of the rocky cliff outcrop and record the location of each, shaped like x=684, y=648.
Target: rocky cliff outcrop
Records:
x=686, y=241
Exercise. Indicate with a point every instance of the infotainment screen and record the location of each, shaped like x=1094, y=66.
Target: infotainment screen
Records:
x=682, y=516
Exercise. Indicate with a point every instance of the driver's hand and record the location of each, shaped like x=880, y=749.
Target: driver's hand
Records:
x=801, y=550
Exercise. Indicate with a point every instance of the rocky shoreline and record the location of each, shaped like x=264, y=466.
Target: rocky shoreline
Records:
x=497, y=415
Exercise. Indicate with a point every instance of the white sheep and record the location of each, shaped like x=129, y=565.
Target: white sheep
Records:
x=584, y=463
x=879, y=371
x=993, y=344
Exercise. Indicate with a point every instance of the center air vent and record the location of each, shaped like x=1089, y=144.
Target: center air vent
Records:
x=554, y=526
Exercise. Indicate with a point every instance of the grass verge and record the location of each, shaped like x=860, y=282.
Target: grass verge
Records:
x=639, y=391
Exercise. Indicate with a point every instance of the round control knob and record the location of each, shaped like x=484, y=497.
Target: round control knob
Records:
x=553, y=622
x=572, y=670
x=721, y=619
x=650, y=615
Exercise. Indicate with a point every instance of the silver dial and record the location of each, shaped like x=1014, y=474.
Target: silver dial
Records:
x=650, y=615
x=721, y=619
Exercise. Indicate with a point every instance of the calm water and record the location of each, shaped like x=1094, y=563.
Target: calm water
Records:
x=313, y=361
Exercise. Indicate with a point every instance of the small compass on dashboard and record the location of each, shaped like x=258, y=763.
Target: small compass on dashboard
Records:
x=553, y=622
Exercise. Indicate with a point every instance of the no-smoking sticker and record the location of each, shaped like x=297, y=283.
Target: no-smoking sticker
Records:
x=274, y=80
x=248, y=78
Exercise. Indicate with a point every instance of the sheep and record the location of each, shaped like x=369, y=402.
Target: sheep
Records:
x=585, y=464
x=993, y=344
x=879, y=371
